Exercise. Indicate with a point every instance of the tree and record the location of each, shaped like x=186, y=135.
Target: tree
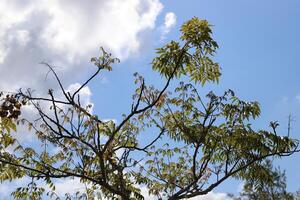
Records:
x=270, y=184
x=196, y=142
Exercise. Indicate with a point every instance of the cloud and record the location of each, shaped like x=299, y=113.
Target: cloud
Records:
x=85, y=93
x=6, y=188
x=145, y=193
x=113, y=24
x=213, y=196
x=70, y=186
x=66, y=34
x=170, y=21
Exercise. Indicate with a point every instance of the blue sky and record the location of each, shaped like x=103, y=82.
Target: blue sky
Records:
x=259, y=52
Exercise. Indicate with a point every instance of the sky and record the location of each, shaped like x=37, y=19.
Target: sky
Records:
x=259, y=53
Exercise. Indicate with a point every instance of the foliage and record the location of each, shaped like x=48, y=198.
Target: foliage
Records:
x=267, y=183
x=177, y=142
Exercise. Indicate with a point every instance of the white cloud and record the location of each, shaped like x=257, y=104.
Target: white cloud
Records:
x=70, y=186
x=6, y=188
x=20, y=36
x=85, y=93
x=113, y=24
x=170, y=21
x=145, y=193
x=213, y=196
x=67, y=33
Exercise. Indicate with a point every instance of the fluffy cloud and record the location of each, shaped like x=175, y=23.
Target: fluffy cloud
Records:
x=169, y=22
x=85, y=93
x=113, y=24
x=70, y=186
x=67, y=33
